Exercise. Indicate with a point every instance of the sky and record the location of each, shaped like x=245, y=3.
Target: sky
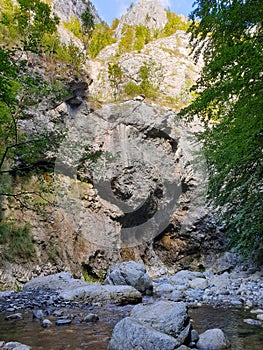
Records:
x=110, y=9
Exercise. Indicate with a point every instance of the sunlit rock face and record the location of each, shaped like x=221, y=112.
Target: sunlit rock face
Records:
x=146, y=200
x=149, y=13
x=65, y=9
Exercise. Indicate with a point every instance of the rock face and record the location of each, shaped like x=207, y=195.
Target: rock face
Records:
x=65, y=9
x=132, y=274
x=148, y=13
x=175, y=71
x=161, y=325
x=143, y=201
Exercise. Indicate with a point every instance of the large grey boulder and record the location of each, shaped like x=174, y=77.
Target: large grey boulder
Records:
x=213, y=339
x=130, y=334
x=132, y=274
x=97, y=293
x=74, y=289
x=161, y=325
x=57, y=281
x=167, y=317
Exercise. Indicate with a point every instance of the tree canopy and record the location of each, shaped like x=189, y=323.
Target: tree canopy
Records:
x=229, y=36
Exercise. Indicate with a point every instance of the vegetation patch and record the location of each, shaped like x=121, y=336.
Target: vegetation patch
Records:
x=16, y=242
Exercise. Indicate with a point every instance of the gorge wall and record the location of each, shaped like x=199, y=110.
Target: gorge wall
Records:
x=144, y=199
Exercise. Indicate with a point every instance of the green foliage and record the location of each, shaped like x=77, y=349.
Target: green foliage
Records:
x=71, y=55
x=134, y=38
x=142, y=37
x=230, y=102
x=174, y=23
x=17, y=242
x=87, y=21
x=127, y=39
x=149, y=75
x=132, y=89
x=115, y=76
x=33, y=19
x=74, y=26
x=101, y=37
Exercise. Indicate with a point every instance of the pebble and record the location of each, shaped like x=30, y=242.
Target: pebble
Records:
x=17, y=316
x=252, y=322
x=63, y=322
x=91, y=318
x=46, y=323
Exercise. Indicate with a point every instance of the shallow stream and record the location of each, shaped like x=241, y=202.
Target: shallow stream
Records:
x=95, y=336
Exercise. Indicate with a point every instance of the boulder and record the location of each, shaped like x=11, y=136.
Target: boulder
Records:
x=130, y=334
x=132, y=274
x=14, y=346
x=58, y=281
x=167, y=317
x=213, y=339
x=97, y=293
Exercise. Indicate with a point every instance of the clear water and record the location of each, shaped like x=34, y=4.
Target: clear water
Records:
x=241, y=335
x=95, y=336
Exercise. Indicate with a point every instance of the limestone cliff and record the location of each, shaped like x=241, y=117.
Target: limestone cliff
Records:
x=145, y=198
x=149, y=13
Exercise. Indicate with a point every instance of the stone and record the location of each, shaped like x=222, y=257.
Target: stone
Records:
x=91, y=318
x=17, y=316
x=15, y=346
x=63, y=322
x=97, y=293
x=165, y=316
x=260, y=317
x=56, y=281
x=46, y=323
x=177, y=296
x=198, y=282
x=183, y=347
x=184, y=276
x=130, y=334
x=252, y=322
x=38, y=314
x=132, y=274
x=163, y=289
x=213, y=339
x=194, y=336
x=257, y=311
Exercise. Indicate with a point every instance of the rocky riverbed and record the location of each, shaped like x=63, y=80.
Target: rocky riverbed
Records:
x=60, y=300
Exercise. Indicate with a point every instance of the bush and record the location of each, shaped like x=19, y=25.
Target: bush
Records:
x=17, y=242
x=101, y=37
x=174, y=23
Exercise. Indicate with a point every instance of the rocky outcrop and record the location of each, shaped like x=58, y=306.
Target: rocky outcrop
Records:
x=65, y=9
x=149, y=13
x=143, y=201
x=173, y=70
